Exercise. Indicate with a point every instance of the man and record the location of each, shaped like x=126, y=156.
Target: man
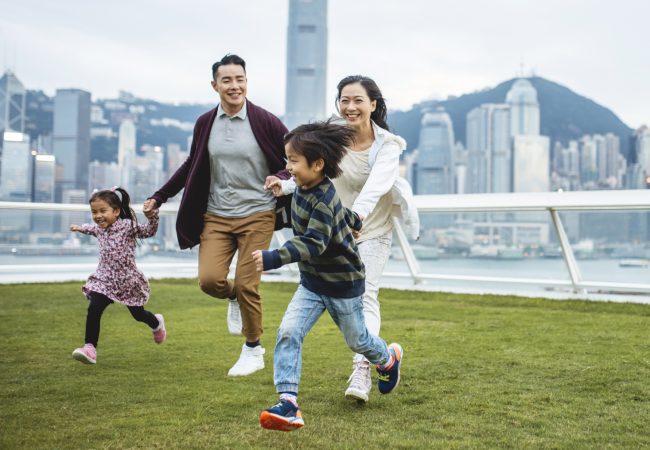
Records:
x=225, y=206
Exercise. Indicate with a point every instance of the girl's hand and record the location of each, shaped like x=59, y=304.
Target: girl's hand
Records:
x=274, y=184
x=75, y=228
x=148, y=206
x=259, y=262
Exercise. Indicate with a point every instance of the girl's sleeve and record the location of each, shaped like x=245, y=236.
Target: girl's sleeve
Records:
x=89, y=228
x=148, y=229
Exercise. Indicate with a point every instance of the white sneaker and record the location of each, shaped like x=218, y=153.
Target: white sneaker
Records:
x=234, y=318
x=360, y=382
x=250, y=361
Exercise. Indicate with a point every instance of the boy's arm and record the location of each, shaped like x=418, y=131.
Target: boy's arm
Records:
x=353, y=219
x=302, y=248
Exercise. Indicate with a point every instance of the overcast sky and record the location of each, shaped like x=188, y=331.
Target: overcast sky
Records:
x=414, y=49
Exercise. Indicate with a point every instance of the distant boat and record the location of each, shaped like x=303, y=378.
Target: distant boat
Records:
x=633, y=262
x=510, y=253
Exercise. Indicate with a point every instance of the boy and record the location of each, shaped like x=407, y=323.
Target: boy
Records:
x=331, y=271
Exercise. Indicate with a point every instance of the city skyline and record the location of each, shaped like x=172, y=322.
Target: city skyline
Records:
x=412, y=56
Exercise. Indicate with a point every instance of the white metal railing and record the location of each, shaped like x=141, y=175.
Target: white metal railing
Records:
x=549, y=202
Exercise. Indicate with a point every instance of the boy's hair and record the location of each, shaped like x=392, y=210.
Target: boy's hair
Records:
x=120, y=202
x=321, y=140
x=227, y=59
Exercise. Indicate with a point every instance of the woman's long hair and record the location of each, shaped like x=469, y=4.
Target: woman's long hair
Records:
x=380, y=114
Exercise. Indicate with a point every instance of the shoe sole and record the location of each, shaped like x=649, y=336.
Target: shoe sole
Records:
x=272, y=421
x=80, y=356
x=230, y=374
x=359, y=396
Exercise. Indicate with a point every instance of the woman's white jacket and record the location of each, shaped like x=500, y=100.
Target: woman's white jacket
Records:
x=383, y=160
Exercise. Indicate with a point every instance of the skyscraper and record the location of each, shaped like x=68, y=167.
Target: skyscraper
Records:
x=126, y=151
x=12, y=104
x=71, y=139
x=524, y=108
x=306, y=62
x=530, y=158
x=15, y=167
x=488, y=145
x=434, y=170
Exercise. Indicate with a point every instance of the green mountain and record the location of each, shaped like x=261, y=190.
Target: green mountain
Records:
x=564, y=114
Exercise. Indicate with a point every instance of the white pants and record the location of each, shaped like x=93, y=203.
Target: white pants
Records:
x=374, y=254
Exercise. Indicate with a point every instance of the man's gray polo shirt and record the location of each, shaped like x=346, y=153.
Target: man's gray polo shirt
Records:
x=238, y=168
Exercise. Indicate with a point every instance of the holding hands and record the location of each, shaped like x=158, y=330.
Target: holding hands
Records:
x=149, y=208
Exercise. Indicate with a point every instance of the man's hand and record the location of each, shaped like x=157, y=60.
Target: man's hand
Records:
x=259, y=262
x=274, y=184
x=149, y=208
x=75, y=228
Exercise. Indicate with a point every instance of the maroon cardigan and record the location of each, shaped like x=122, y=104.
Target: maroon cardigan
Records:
x=194, y=173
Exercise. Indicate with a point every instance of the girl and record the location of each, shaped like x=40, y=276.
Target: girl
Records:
x=117, y=279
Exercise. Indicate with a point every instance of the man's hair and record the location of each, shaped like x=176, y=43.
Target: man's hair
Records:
x=228, y=59
x=321, y=140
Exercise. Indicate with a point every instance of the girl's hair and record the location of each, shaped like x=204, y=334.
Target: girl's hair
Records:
x=321, y=140
x=380, y=114
x=115, y=201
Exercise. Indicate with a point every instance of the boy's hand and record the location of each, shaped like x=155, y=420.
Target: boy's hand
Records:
x=274, y=184
x=75, y=228
x=259, y=262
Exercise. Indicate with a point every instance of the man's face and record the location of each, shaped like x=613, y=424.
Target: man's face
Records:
x=230, y=84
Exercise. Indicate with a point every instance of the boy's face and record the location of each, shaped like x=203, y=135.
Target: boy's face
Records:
x=306, y=176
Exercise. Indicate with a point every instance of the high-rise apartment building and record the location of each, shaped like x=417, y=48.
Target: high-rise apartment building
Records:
x=15, y=167
x=306, y=85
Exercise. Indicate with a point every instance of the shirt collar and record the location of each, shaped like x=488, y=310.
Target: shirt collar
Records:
x=241, y=114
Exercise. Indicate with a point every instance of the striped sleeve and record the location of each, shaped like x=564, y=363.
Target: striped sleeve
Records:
x=313, y=242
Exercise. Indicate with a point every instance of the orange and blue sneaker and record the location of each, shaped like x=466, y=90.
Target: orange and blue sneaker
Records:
x=389, y=373
x=285, y=416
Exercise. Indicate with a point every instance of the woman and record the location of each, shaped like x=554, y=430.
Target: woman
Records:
x=369, y=185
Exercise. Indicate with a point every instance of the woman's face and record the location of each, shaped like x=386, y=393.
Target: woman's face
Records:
x=355, y=106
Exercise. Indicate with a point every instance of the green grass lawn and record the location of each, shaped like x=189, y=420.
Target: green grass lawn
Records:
x=479, y=371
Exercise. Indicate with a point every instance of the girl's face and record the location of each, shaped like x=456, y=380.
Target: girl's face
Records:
x=104, y=214
x=355, y=106
x=306, y=176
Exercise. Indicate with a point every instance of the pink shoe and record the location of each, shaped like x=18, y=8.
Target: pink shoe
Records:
x=160, y=333
x=86, y=354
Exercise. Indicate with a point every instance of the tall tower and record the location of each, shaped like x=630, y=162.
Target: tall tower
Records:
x=435, y=161
x=126, y=151
x=524, y=108
x=12, y=104
x=488, y=145
x=306, y=62
x=71, y=139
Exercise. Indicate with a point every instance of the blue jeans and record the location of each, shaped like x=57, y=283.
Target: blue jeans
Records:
x=303, y=312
